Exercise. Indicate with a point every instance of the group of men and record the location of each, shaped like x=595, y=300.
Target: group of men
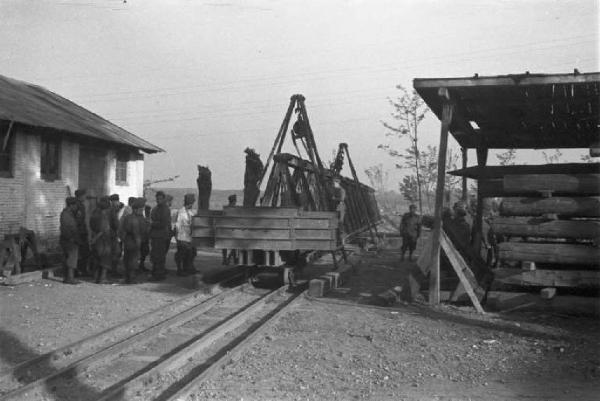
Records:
x=129, y=232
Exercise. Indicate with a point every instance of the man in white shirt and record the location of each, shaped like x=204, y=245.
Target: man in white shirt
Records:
x=183, y=227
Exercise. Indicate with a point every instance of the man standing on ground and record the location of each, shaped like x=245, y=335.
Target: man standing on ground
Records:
x=116, y=210
x=130, y=232
x=69, y=239
x=84, y=246
x=339, y=203
x=160, y=232
x=226, y=254
x=145, y=247
x=101, y=241
x=183, y=229
x=410, y=230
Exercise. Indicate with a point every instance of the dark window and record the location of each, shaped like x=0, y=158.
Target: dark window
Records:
x=7, y=140
x=121, y=169
x=50, y=158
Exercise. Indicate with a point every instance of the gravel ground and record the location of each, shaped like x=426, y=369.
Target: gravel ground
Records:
x=341, y=347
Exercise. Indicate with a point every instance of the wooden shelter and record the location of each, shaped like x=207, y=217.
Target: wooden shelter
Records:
x=525, y=111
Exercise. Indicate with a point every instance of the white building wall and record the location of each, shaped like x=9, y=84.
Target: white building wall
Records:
x=29, y=201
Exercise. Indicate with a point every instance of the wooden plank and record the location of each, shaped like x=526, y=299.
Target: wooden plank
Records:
x=264, y=212
x=278, y=245
x=579, y=184
x=541, y=227
x=498, y=172
x=434, y=275
x=564, y=206
x=30, y=277
x=575, y=254
x=567, y=304
x=549, y=278
x=464, y=273
x=271, y=234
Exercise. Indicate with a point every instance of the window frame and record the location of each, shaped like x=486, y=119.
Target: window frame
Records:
x=10, y=149
x=124, y=168
x=47, y=140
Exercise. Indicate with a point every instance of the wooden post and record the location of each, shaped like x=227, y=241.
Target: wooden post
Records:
x=434, y=275
x=465, y=194
x=482, y=154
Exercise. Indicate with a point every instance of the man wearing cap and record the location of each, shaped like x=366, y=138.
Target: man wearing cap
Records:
x=116, y=210
x=410, y=230
x=339, y=202
x=130, y=232
x=228, y=255
x=160, y=232
x=69, y=239
x=128, y=209
x=101, y=238
x=84, y=246
x=145, y=247
x=183, y=228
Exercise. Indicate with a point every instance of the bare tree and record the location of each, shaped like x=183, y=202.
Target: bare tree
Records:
x=552, y=158
x=409, y=112
x=507, y=158
x=378, y=178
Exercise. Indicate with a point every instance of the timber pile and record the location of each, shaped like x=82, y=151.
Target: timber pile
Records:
x=549, y=236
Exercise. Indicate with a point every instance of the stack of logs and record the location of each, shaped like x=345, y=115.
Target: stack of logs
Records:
x=550, y=235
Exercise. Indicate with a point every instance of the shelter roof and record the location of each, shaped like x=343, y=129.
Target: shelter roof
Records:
x=35, y=106
x=526, y=111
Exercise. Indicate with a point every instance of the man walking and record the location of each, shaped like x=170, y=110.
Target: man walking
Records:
x=160, y=232
x=69, y=239
x=183, y=229
x=410, y=230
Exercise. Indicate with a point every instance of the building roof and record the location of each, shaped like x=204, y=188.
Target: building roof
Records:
x=35, y=106
x=526, y=111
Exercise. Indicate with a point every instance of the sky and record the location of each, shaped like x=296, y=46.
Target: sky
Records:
x=206, y=79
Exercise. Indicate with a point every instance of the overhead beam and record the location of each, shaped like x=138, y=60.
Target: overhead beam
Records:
x=507, y=80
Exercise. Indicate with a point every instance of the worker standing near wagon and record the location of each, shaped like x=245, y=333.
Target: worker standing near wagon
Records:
x=339, y=202
x=131, y=234
x=183, y=229
x=116, y=211
x=84, y=246
x=145, y=247
x=410, y=230
x=101, y=238
x=160, y=233
x=69, y=239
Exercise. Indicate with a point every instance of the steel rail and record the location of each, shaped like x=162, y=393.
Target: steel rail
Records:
x=38, y=387
x=185, y=355
x=232, y=354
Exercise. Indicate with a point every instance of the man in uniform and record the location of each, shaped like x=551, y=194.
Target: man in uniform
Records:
x=183, y=229
x=228, y=255
x=339, y=203
x=131, y=233
x=145, y=247
x=160, y=232
x=101, y=238
x=116, y=211
x=69, y=239
x=410, y=230
x=84, y=246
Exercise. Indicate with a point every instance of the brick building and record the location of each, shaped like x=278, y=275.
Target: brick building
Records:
x=49, y=147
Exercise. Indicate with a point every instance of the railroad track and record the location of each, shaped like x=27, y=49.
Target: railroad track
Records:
x=165, y=356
